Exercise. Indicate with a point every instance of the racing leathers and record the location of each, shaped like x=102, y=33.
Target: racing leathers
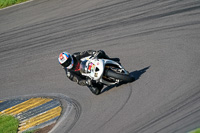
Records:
x=74, y=73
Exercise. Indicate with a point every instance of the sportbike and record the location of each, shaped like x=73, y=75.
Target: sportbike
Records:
x=104, y=71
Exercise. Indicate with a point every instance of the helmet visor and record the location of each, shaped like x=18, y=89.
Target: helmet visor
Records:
x=68, y=62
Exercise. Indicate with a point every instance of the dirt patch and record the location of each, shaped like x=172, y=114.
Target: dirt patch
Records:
x=45, y=129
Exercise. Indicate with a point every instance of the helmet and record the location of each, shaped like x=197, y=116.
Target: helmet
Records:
x=66, y=60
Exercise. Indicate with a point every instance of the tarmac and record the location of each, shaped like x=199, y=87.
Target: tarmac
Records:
x=156, y=40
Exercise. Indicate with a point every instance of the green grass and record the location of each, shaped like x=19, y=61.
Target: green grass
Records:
x=195, y=131
x=8, y=124
x=5, y=3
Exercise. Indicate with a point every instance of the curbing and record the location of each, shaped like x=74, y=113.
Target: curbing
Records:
x=38, y=111
x=28, y=111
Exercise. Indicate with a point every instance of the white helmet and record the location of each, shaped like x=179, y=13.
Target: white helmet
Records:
x=66, y=60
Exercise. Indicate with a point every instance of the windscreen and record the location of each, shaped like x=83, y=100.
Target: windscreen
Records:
x=83, y=67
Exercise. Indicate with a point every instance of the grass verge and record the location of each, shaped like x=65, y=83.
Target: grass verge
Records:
x=8, y=124
x=6, y=3
x=195, y=131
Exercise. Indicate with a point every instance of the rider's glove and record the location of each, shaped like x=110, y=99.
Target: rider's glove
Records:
x=68, y=74
x=71, y=77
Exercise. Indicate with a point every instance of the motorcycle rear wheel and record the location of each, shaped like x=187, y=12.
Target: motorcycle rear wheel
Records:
x=120, y=76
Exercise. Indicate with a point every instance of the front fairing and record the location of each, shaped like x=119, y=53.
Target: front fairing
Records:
x=92, y=68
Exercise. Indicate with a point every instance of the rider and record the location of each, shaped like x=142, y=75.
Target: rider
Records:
x=71, y=64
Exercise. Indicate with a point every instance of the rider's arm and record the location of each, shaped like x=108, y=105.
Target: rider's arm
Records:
x=87, y=53
x=80, y=55
x=99, y=54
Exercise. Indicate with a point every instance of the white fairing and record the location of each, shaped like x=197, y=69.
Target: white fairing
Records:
x=95, y=69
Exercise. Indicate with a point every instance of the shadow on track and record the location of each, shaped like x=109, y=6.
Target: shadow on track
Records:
x=136, y=74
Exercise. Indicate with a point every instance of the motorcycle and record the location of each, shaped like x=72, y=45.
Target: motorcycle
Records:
x=104, y=72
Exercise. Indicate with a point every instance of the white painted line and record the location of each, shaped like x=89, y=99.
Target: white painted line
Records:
x=16, y=5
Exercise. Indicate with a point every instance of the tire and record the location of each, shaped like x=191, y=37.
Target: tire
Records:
x=120, y=76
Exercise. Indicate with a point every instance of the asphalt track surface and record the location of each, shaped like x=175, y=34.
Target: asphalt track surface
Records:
x=158, y=41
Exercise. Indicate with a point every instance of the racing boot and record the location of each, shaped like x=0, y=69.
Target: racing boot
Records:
x=94, y=90
x=103, y=55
